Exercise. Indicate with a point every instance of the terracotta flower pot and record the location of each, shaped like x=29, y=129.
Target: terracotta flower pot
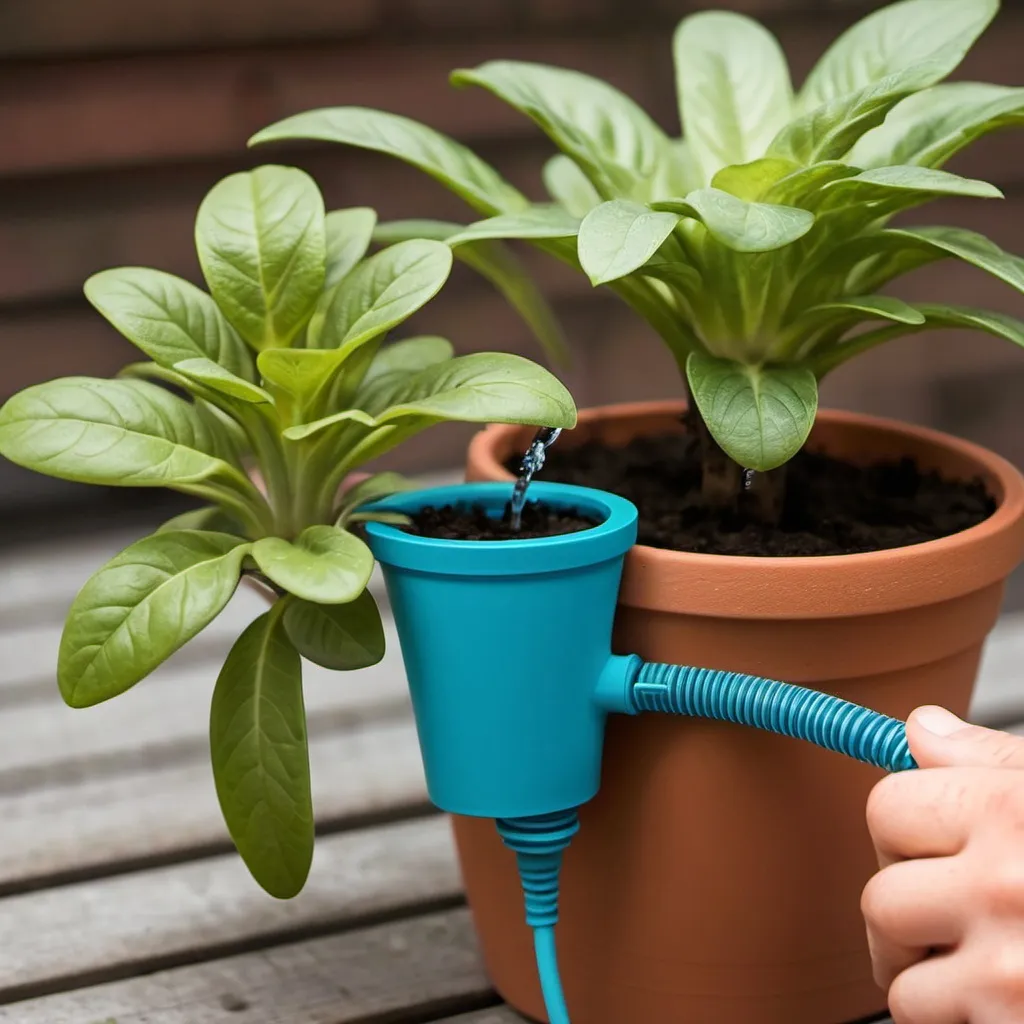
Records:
x=717, y=876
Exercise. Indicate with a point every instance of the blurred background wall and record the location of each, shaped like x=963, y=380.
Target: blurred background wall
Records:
x=116, y=116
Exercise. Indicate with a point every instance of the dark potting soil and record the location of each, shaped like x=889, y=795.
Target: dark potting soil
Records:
x=832, y=507
x=461, y=522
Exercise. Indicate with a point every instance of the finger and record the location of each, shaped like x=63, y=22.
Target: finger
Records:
x=939, y=739
x=924, y=813
x=931, y=992
x=910, y=909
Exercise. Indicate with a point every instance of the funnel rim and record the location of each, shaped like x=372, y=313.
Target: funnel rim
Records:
x=610, y=538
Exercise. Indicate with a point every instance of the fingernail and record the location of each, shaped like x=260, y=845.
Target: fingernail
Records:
x=939, y=721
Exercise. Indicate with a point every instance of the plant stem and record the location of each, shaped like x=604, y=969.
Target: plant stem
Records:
x=721, y=479
x=765, y=496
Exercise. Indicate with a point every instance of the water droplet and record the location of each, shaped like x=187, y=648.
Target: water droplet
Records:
x=533, y=462
x=748, y=479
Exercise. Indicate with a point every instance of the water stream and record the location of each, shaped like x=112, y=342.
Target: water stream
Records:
x=533, y=462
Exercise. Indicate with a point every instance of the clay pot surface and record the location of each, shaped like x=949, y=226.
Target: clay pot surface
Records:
x=716, y=878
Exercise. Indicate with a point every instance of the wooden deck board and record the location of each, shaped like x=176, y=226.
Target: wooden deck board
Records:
x=96, y=824
x=427, y=967
x=194, y=911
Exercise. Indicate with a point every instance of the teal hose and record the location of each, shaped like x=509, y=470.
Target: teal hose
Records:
x=780, y=708
x=538, y=843
x=550, y=982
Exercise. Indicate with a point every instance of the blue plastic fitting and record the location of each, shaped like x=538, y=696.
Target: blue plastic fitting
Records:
x=507, y=648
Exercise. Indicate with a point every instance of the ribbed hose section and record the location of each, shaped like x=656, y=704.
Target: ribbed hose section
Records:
x=782, y=708
x=538, y=843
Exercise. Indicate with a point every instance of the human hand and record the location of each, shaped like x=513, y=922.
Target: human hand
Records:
x=945, y=915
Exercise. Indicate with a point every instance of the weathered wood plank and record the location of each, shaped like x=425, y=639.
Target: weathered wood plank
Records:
x=426, y=967
x=116, y=927
x=84, y=825
x=64, y=27
x=495, y=1015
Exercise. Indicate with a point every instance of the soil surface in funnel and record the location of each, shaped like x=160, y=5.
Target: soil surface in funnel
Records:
x=471, y=522
x=832, y=507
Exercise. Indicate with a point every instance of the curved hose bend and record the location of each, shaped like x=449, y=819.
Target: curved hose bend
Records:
x=782, y=708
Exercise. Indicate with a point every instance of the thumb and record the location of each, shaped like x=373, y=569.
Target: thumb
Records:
x=938, y=739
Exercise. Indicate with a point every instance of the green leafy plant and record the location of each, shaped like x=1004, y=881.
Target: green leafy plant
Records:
x=757, y=244
x=281, y=370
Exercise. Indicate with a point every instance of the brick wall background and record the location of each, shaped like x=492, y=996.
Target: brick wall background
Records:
x=116, y=116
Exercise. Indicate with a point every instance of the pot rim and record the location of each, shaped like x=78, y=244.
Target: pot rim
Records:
x=815, y=586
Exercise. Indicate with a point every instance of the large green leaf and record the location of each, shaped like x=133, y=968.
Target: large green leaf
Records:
x=906, y=186
x=380, y=293
x=167, y=318
x=899, y=50
x=1000, y=324
x=752, y=181
x=260, y=755
x=299, y=373
x=886, y=254
x=568, y=185
x=141, y=607
x=303, y=430
x=380, y=485
x=217, y=378
x=760, y=416
x=324, y=564
x=261, y=244
x=804, y=187
x=348, y=235
x=449, y=162
x=391, y=365
x=933, y=34
x=734, y=90
x=935, y=316
x=122, y=433
x=870, y=307
x=208, y=517
x=498, y=264
x=483, y=387
x=608, y=135
x=827, y=133
x=930, y=127
x=337, y=636
x=681, y=276
x=830, y=320
x=739, y=225
x=619, y=236
x=405, y=358
x=538, y=222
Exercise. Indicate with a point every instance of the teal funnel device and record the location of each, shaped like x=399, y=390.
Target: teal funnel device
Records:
x=507, y=648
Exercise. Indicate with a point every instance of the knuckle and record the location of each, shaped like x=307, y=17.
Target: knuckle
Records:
x=1002, y=881
x=1006, y=972
x=876, y=901
x=904, y=1002
x=883, y=803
